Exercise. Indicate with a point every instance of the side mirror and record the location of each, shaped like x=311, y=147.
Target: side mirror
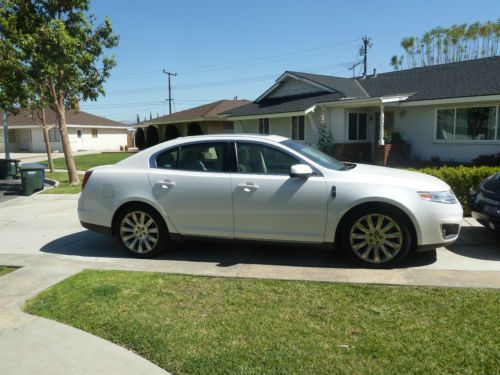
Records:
x=301, y=171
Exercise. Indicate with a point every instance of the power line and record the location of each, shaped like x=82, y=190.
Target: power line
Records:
x=254, y=61
x=219, y=83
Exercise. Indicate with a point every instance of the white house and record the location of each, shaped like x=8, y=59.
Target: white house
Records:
x=86, y=132
x=448, y=111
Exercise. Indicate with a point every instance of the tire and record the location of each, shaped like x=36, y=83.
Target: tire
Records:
x=376, y=237
x=141, y=231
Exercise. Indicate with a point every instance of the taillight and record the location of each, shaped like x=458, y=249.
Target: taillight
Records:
x=86, y=178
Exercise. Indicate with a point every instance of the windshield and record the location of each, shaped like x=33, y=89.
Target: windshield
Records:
x=315, y=155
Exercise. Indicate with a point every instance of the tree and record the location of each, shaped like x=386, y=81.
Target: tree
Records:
x=140, y=139
x=151, y=136
x=24, y=96
x=445, y=45
x=325, y=140
x=56, y=41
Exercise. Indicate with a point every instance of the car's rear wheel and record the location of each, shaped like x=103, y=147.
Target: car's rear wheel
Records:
x=376, y=237
x=142, y=231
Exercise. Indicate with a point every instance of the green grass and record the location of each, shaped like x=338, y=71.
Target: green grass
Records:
x=64, y=186
x=5, y=270
x=84, y=162
x=202, y=325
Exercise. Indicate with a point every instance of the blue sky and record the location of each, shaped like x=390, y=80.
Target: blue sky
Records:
x=222, y=49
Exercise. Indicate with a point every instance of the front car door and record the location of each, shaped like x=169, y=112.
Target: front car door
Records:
x=193, y=185
x=271, y=205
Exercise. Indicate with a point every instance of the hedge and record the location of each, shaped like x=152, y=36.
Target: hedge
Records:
x=461, y=179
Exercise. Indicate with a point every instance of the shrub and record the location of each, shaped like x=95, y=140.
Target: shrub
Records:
x=461, y=179
x=152, y=138
x=493, y=160
x=140, y=138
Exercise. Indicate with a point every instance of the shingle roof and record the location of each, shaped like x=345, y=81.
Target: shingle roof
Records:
x=347, y=87
x=284, y=104
x=206, y=110
x=466, y=78
x=72, y=118
x=454, y=80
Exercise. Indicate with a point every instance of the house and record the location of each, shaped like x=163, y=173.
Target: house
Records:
x=86, y=132
x=448, y=111
x=204, y=119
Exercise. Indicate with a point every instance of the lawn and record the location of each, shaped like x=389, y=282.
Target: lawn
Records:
x=202, y=325
x=5, y=270
x=84, y=162
x=64, y=186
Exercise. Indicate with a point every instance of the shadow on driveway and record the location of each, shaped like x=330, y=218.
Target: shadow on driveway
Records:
x=224, y=254
x=477, y=242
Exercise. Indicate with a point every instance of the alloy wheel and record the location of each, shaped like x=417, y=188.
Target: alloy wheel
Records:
x=139, y=232
x=376, y=238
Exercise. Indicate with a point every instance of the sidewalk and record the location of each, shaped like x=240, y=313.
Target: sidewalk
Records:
x=34, y=157
x=33, y=345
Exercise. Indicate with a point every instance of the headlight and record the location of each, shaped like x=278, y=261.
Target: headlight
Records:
x=438, y=196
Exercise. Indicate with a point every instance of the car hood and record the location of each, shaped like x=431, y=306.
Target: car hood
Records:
x=393, y=176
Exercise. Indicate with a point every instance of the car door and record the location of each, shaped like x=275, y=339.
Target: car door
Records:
x=271, y=205
x=193, y=185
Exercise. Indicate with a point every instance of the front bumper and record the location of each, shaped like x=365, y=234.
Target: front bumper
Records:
x=439, y=224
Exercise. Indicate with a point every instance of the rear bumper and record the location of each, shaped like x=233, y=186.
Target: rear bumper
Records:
x=97, y=228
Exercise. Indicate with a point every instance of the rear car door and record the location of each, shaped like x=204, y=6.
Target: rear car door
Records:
x=192, y=184
x=271, y=205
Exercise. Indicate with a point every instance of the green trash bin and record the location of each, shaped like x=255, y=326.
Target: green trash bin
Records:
x=8, y=169
x=32, y=177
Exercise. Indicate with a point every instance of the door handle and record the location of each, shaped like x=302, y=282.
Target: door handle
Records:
x=166, y=184
x=248, y=187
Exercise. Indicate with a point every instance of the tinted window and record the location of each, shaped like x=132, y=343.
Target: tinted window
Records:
x=208, y=157
x=255, y=158
x=168, y=159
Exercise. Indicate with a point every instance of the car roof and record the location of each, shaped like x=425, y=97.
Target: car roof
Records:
x=236, y=136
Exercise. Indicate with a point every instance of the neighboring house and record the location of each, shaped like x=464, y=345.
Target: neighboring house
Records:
x=205, y=119
x=86, y=132
x=449, y=110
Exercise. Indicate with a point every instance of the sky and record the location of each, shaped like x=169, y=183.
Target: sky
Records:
x=224, y=49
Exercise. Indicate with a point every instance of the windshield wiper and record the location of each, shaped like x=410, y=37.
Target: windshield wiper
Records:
x=348, y=166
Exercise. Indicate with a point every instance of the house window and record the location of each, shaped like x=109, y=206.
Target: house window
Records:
x=466, y=124
x=357, y=126
x=263, y=126
x=298, y=128
x=54, y=135
x=12, y=136
x=94, y=133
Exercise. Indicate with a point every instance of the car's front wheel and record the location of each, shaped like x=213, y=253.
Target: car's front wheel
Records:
x=376, y=237
x=141, y=230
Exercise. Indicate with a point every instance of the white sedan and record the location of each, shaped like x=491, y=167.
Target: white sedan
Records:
x=267, y=188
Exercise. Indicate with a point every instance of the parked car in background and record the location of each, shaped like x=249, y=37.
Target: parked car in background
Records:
x=267, y=188
x=485, y=202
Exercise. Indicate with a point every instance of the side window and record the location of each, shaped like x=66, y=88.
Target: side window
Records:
x=168, y=159
x=208, y=157
x=255, y=158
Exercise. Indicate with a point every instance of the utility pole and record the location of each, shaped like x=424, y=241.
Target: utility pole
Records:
x=169, y=74
x=364, y=52
x=6, y=135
